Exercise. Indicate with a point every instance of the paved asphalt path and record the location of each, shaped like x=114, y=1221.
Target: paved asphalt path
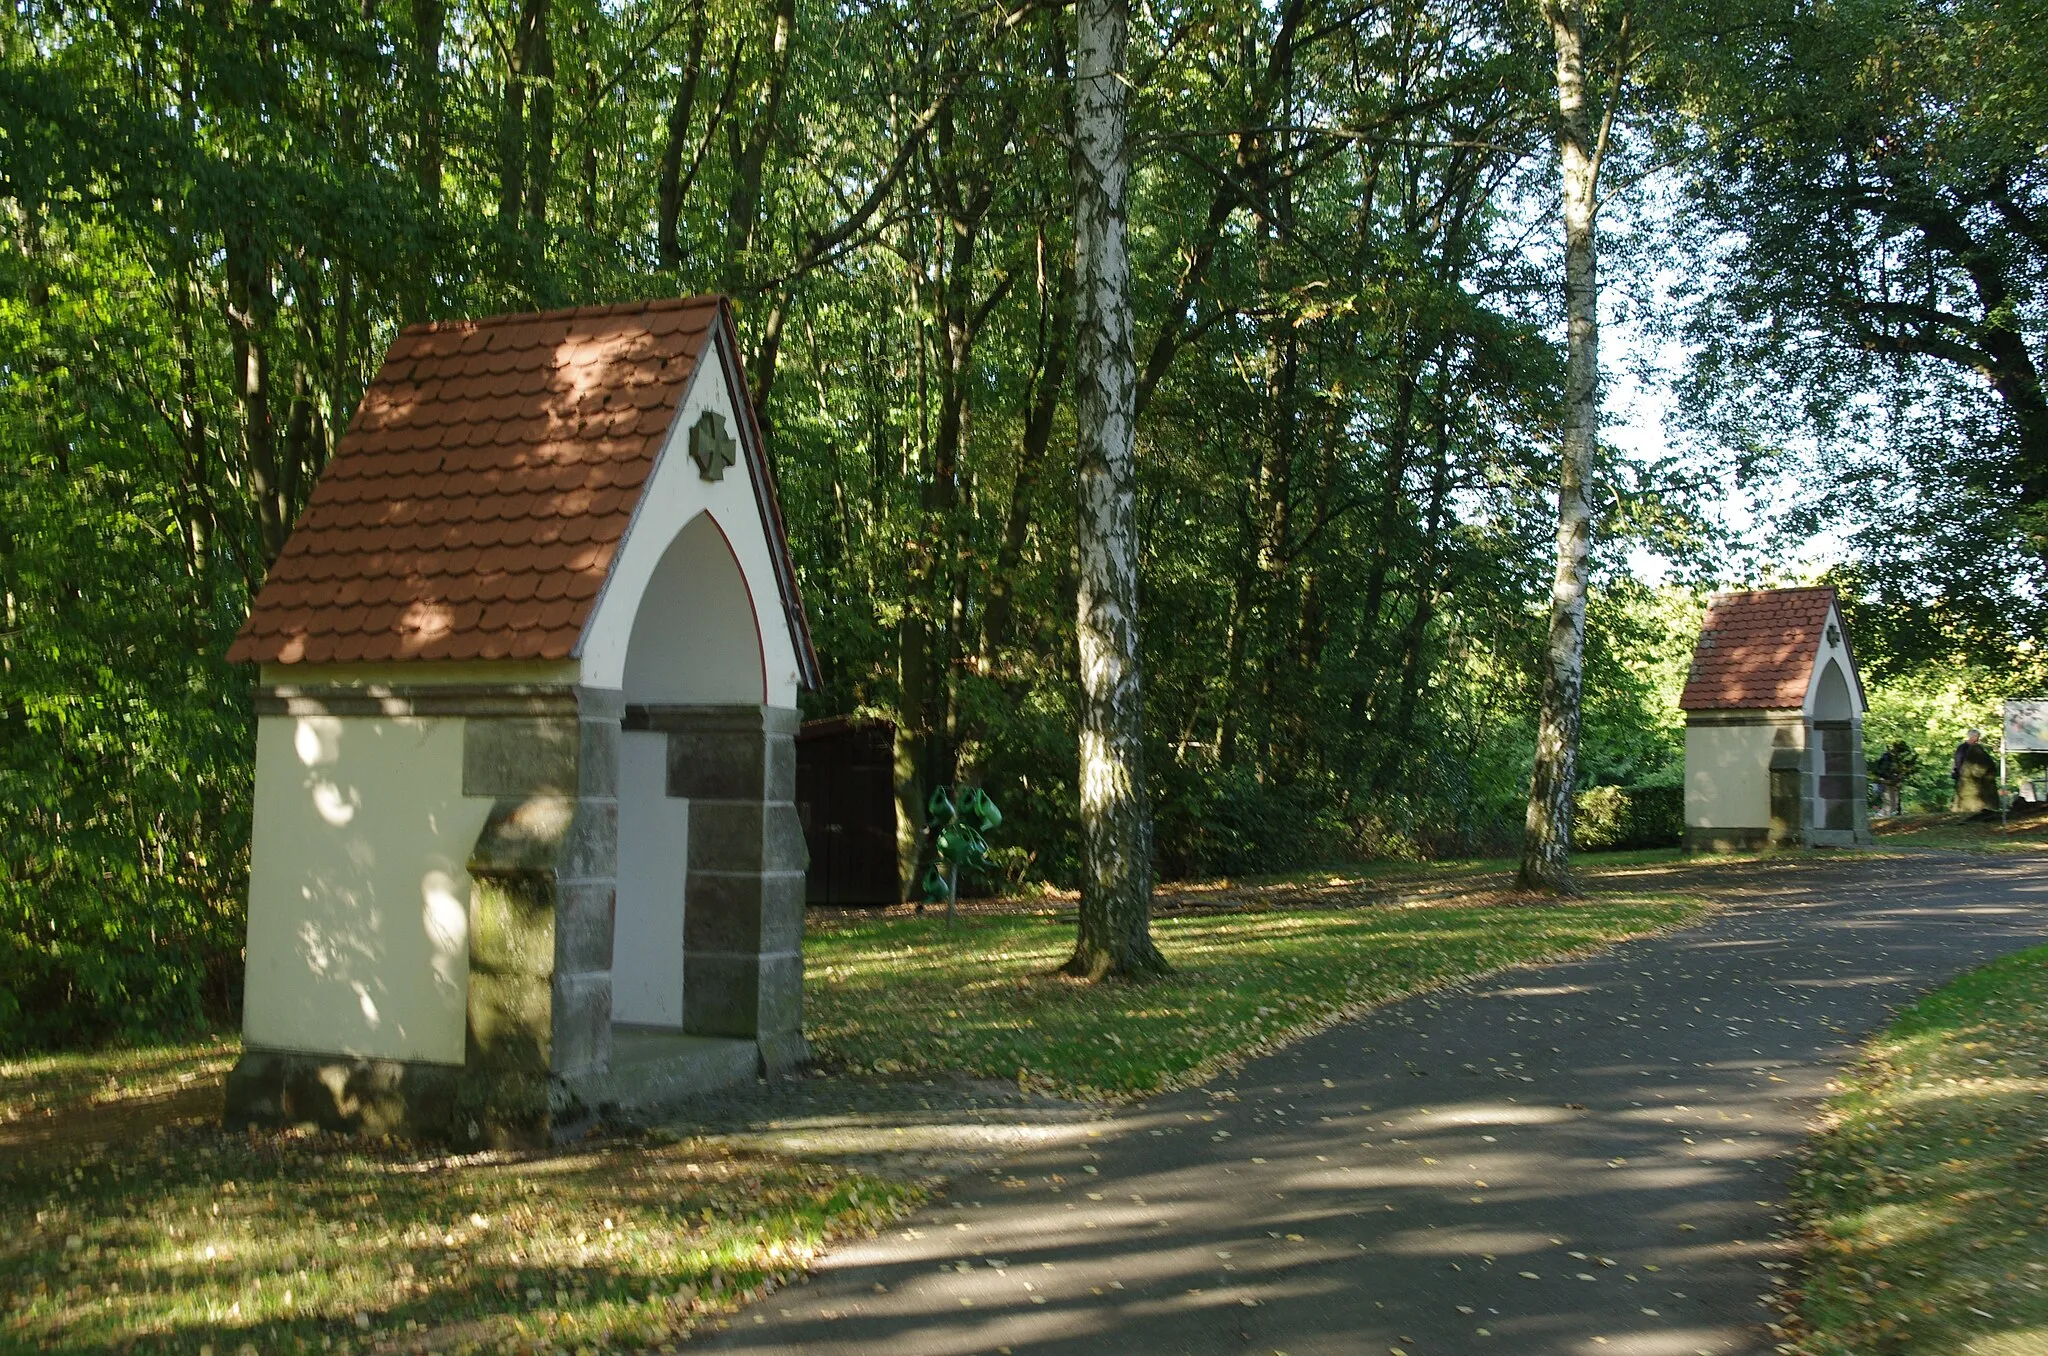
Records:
x=1579, y=1158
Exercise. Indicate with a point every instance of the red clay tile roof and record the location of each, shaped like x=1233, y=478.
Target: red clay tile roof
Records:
x=1756, y=650
x=474, y=507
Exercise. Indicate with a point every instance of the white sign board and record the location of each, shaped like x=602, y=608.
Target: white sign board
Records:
x=2026, y=726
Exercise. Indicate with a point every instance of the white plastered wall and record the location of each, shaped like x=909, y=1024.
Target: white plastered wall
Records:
x=1727, y=776
x=647, y=932
x=677, y=494
x=358, y=900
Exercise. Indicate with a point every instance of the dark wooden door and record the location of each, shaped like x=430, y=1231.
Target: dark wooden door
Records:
x=846, y=797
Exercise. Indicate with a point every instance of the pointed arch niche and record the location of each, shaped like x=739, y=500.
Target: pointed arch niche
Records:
x=1831, y=700
x=695, y=643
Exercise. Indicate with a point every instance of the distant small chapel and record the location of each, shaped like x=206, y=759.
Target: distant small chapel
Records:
x=1774, y=726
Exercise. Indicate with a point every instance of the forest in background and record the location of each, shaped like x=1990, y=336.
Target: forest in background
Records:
x=214, y=214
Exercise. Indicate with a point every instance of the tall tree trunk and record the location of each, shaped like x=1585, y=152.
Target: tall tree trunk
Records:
x=192, y=431
x=1276, y=532
x=540, y=118
x=930, y=635
x=587, y=209
x=512, y=128
x=1115, y=935
x=1547, y=834
x=911, y=750
x=248, y=316
x=303, y=443
x=526, y=120
x=429, y=21
x=1041, y=407
x=1393, y=499
x=750, y=161
x=669, y=199
x=766, y=356
x=1243, y=585
x=1416, y=634
x=197, y=514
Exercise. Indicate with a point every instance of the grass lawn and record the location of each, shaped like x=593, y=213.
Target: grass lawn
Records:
x=903, y=995
x=1926, y=1196
x=1446, y=880
x=1964, y=833
x=190, y=1239
x=48, y=1100
x=127, y=1219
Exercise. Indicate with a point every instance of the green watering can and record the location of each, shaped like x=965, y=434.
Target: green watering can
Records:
x=959, y=840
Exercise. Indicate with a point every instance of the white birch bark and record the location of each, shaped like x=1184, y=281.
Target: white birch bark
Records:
x=1546, y=842
x=1115, y=936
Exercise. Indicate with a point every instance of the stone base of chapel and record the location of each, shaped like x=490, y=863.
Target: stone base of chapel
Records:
x=651, y=1071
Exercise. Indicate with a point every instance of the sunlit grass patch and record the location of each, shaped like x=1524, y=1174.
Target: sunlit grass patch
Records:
x=192, y=1239
x=1926, y=1196
x=1442, y=879
x=901, y=995
x=35, y=1086
x=1964, y=833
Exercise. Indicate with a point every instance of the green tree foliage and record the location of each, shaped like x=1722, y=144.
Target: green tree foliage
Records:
x=1639, y=644
x=214, y=215
x=1867, y=181
x=124, y=779
x=1610, y=818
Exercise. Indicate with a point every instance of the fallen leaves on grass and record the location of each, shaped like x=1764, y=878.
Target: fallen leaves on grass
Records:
x=904, y=995
x=1922, y=1199
x=196, y=1238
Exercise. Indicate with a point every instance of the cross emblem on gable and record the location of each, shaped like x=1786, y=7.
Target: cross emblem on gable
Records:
x=711, y=447
x=1834, y=634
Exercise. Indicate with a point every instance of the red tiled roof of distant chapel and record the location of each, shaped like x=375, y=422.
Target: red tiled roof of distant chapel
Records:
x=474, y=508
x=1756, y=649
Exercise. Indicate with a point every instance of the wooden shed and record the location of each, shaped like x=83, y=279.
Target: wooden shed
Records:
x=846, y=796
x=525, y=839
x=1774, y=725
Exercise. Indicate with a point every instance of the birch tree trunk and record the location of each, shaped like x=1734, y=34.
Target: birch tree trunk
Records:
x=1547, y=835
x=1116, y=819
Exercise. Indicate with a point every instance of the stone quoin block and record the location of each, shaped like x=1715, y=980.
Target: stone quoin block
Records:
x=582, y=1014
x=743, y=994
x=744, y=911
x=716, y=765
x=728, y=835
x=511, y=1022
x=584, y=915
x=508, y=757
x=590, y=851
x=511, y=927
x=725, y=752
x=597, y=757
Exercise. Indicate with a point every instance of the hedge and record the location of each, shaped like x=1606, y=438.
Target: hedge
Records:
x=1610, y=818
